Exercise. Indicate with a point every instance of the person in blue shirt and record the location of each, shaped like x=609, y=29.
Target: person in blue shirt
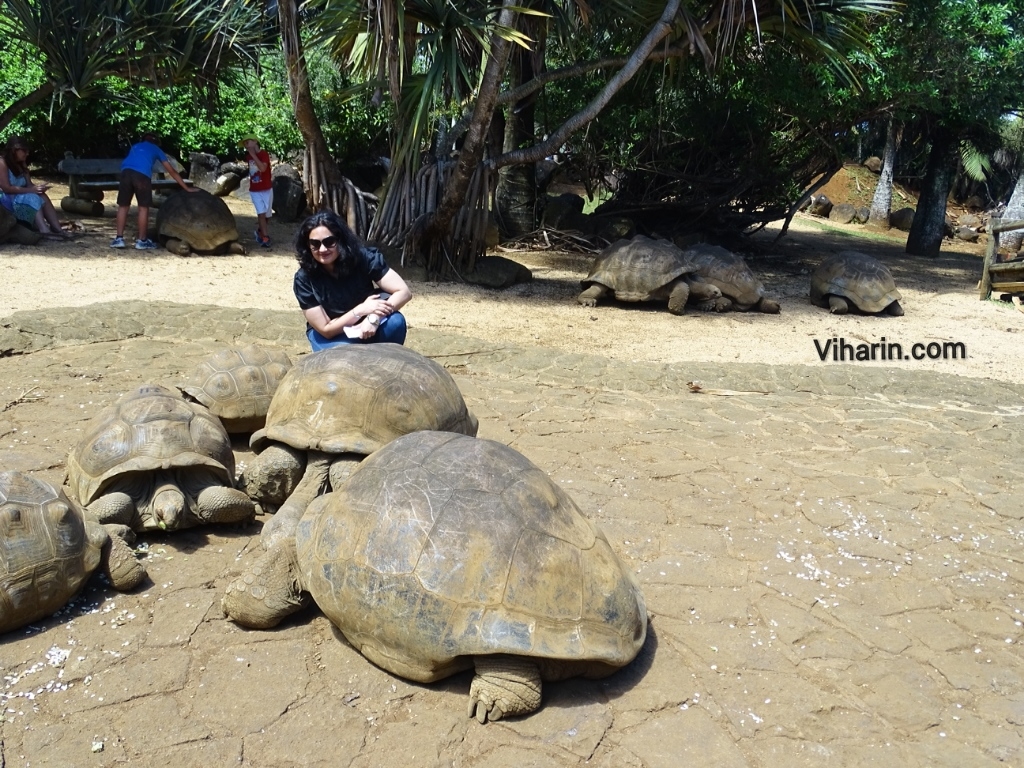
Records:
x=137, y=181
x=346, y=291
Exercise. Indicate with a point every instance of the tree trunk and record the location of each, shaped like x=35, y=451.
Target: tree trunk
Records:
x=431, y=237
x=1014, y=212
x=516, y=194
x=881, y=203
x=926, y=232
x=324, y=184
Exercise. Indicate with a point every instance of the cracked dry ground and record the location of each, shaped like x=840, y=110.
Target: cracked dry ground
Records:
x=833, y=568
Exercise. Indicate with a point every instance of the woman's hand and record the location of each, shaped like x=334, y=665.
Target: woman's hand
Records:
x=375, y=305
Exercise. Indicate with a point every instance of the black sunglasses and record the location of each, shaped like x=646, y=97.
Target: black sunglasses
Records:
x=327, y=242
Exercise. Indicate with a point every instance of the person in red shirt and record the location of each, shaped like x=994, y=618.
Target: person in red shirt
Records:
x=261, y=186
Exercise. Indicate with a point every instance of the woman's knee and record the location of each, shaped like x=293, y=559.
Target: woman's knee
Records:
x=393, y=329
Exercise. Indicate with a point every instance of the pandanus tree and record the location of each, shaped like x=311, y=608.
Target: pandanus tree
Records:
x=78, y=43
x=444, y=67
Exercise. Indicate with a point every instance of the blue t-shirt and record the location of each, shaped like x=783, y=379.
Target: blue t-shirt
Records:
x=142, y=156
x=339, y=295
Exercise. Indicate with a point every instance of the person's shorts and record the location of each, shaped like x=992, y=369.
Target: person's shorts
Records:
x=263, y=201
x=134, y=183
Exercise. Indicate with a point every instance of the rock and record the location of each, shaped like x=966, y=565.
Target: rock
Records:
x=22, y=235
x=203, y=171
x=81, y=207
x=969, y=220
x=974, y=202
x=7, y=222
x=820, y=206
x=967, y=234
x=863, y=214
x=242, y=190
x=227, y=183
x=289, y=194
x=902, y=219
x=239, y=169
x=612, y=228
x=498, y=272
x=843, y=213
x=873, y=164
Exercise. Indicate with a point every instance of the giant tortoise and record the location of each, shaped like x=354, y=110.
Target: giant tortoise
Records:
x=443, y=552
x=643, y=269
x=237, y=384
x=333, y=408
x=197, y=222
x=153, y=460
x=48, y=550
x=852, y=278
x=741, y=290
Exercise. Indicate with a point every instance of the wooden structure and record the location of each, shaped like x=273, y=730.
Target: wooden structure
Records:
x=89, y=175
x=1007, y=276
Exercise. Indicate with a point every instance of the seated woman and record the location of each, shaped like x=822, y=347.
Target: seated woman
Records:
x=346, y=291
x=24, y=198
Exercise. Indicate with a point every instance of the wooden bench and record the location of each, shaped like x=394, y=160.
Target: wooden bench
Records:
x=1001, y=277
x=86, y=175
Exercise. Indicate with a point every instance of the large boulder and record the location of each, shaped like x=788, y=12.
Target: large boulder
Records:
x=289, y=194
x=560, y=210
x=227, y=183
x=820, y=206
x=203, y=171
x=873, y=164
x=902, y=219
x=12, y=231
x=843, y=213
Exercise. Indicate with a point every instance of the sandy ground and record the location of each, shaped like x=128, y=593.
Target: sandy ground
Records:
x=830, y=552
x=940, y=298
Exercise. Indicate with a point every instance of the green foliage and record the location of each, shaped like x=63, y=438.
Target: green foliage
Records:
x=20, y=74
x=198, y=119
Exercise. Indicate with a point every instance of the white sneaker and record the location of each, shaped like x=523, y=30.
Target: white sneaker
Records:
x=117, y=242
x=144, y=245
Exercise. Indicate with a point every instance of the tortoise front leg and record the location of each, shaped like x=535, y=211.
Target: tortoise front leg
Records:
x=504, y=685
x=117, y=508
x=678, y=297
x=282, y=525
x=837, y=305
x=593, y=294
x=268, y=590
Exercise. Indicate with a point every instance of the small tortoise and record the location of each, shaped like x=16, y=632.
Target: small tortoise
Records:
x=333, y=408
x=855, y=278
x=48, y=550
x=197, y=221
x=443, y=552
x=153, y=460
x=643, y=269
x=237, y=383
x=741, y=290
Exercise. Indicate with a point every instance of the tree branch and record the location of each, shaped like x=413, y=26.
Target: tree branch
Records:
x=40, y=93
x=636, y=60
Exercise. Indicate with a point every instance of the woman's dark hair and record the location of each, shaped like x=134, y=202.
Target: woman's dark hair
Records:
x=18, y=167
x=348, y=243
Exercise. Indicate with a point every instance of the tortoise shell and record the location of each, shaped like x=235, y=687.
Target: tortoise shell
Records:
x=441, y=547
x=238, y=383
x=355, y=398
x=855, y=276
x=47, y=552
x=635, y=269
x=200, y=219
x=149, y=428
x=729, y=272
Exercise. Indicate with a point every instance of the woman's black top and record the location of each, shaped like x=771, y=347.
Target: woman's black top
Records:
x=316, y=288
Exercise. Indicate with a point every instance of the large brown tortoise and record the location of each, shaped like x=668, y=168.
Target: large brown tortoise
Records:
x=643, y=269
x=443, y=552
x=48, y=549
x=333, y=408
x=197, y=222
x=153, y=461
x=853, y=278
x=741, y=290
x=238, y=383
